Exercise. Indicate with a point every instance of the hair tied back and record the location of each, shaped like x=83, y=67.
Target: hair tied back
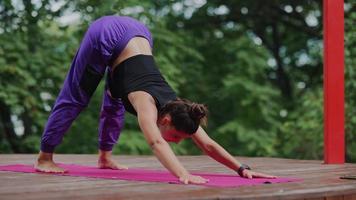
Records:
x=197, y=111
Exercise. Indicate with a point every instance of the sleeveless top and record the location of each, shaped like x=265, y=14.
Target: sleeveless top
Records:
x=139, y=73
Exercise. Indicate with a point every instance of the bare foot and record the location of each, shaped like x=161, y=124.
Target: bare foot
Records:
x=105, y=161
x=110, y=164
x=45, y=164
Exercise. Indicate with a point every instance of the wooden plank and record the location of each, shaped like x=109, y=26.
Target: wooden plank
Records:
x=350, y=197
x=334, y=198
x=319, y=180
x=318, y=198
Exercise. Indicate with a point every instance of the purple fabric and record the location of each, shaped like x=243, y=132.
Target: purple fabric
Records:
x=111, y=122
x=215, y=180
x=116, y=32
x=103, y=42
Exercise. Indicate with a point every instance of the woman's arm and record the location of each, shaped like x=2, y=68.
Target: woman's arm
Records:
x=214, y=150
x=218, y=153
x=147, y=119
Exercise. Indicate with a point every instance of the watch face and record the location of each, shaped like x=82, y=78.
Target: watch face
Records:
x=245, y=166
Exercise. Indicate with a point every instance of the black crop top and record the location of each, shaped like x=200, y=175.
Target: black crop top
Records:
x=139, y=73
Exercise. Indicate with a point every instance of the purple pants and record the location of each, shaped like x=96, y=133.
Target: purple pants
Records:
x=103, y=42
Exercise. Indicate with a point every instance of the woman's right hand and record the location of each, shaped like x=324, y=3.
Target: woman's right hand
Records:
x=189, y=178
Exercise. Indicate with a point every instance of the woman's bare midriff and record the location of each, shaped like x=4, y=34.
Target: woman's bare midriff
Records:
x=136, y=46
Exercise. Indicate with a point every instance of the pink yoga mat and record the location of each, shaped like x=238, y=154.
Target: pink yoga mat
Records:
x=215, y=180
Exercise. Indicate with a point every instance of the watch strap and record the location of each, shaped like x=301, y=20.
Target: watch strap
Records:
x=242, y=168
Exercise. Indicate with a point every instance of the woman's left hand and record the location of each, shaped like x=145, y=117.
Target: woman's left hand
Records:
x=251, y=174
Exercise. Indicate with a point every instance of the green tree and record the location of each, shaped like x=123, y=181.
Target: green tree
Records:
x=258, y=67
x=350, y=81
x=32, y=52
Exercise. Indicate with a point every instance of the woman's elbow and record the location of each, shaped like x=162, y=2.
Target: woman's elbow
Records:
x=156, y=143
x=209, y=147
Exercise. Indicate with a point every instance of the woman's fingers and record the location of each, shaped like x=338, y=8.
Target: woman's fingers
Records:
x=261, y=175
x=202, y=180
x=197, y=180
x=251, y=174
x=193, y=179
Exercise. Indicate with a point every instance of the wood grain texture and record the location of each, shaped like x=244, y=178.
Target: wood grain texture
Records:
x=350, y=197
x=320, y=181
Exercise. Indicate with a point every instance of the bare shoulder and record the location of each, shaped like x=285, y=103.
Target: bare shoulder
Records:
x=146, y=109
x=143, y=102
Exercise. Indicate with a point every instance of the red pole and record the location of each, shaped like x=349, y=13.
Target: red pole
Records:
x=334, y=136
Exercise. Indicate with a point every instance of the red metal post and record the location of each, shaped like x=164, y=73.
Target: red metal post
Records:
x=334, y=136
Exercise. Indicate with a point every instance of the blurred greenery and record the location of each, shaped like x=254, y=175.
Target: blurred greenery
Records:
x=258, y=67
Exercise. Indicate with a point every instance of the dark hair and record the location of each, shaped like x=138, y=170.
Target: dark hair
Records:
x=186, y=115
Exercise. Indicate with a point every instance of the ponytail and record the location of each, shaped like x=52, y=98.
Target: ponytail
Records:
x=198, y=112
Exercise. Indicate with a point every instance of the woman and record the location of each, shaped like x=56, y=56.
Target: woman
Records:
x=133, y=84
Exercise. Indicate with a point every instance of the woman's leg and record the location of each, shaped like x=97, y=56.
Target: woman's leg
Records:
x=111, y=120
x=81, y=81
x=112, y=116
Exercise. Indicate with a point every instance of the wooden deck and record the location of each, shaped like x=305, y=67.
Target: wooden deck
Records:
x=320, y=181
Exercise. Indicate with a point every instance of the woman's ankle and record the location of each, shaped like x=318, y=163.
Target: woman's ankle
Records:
x=43, y=156
x=104, y=155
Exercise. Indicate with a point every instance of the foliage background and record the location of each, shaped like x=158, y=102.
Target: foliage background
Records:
x=258, y=67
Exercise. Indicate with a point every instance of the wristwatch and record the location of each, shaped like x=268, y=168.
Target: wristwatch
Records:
x=242, y=168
